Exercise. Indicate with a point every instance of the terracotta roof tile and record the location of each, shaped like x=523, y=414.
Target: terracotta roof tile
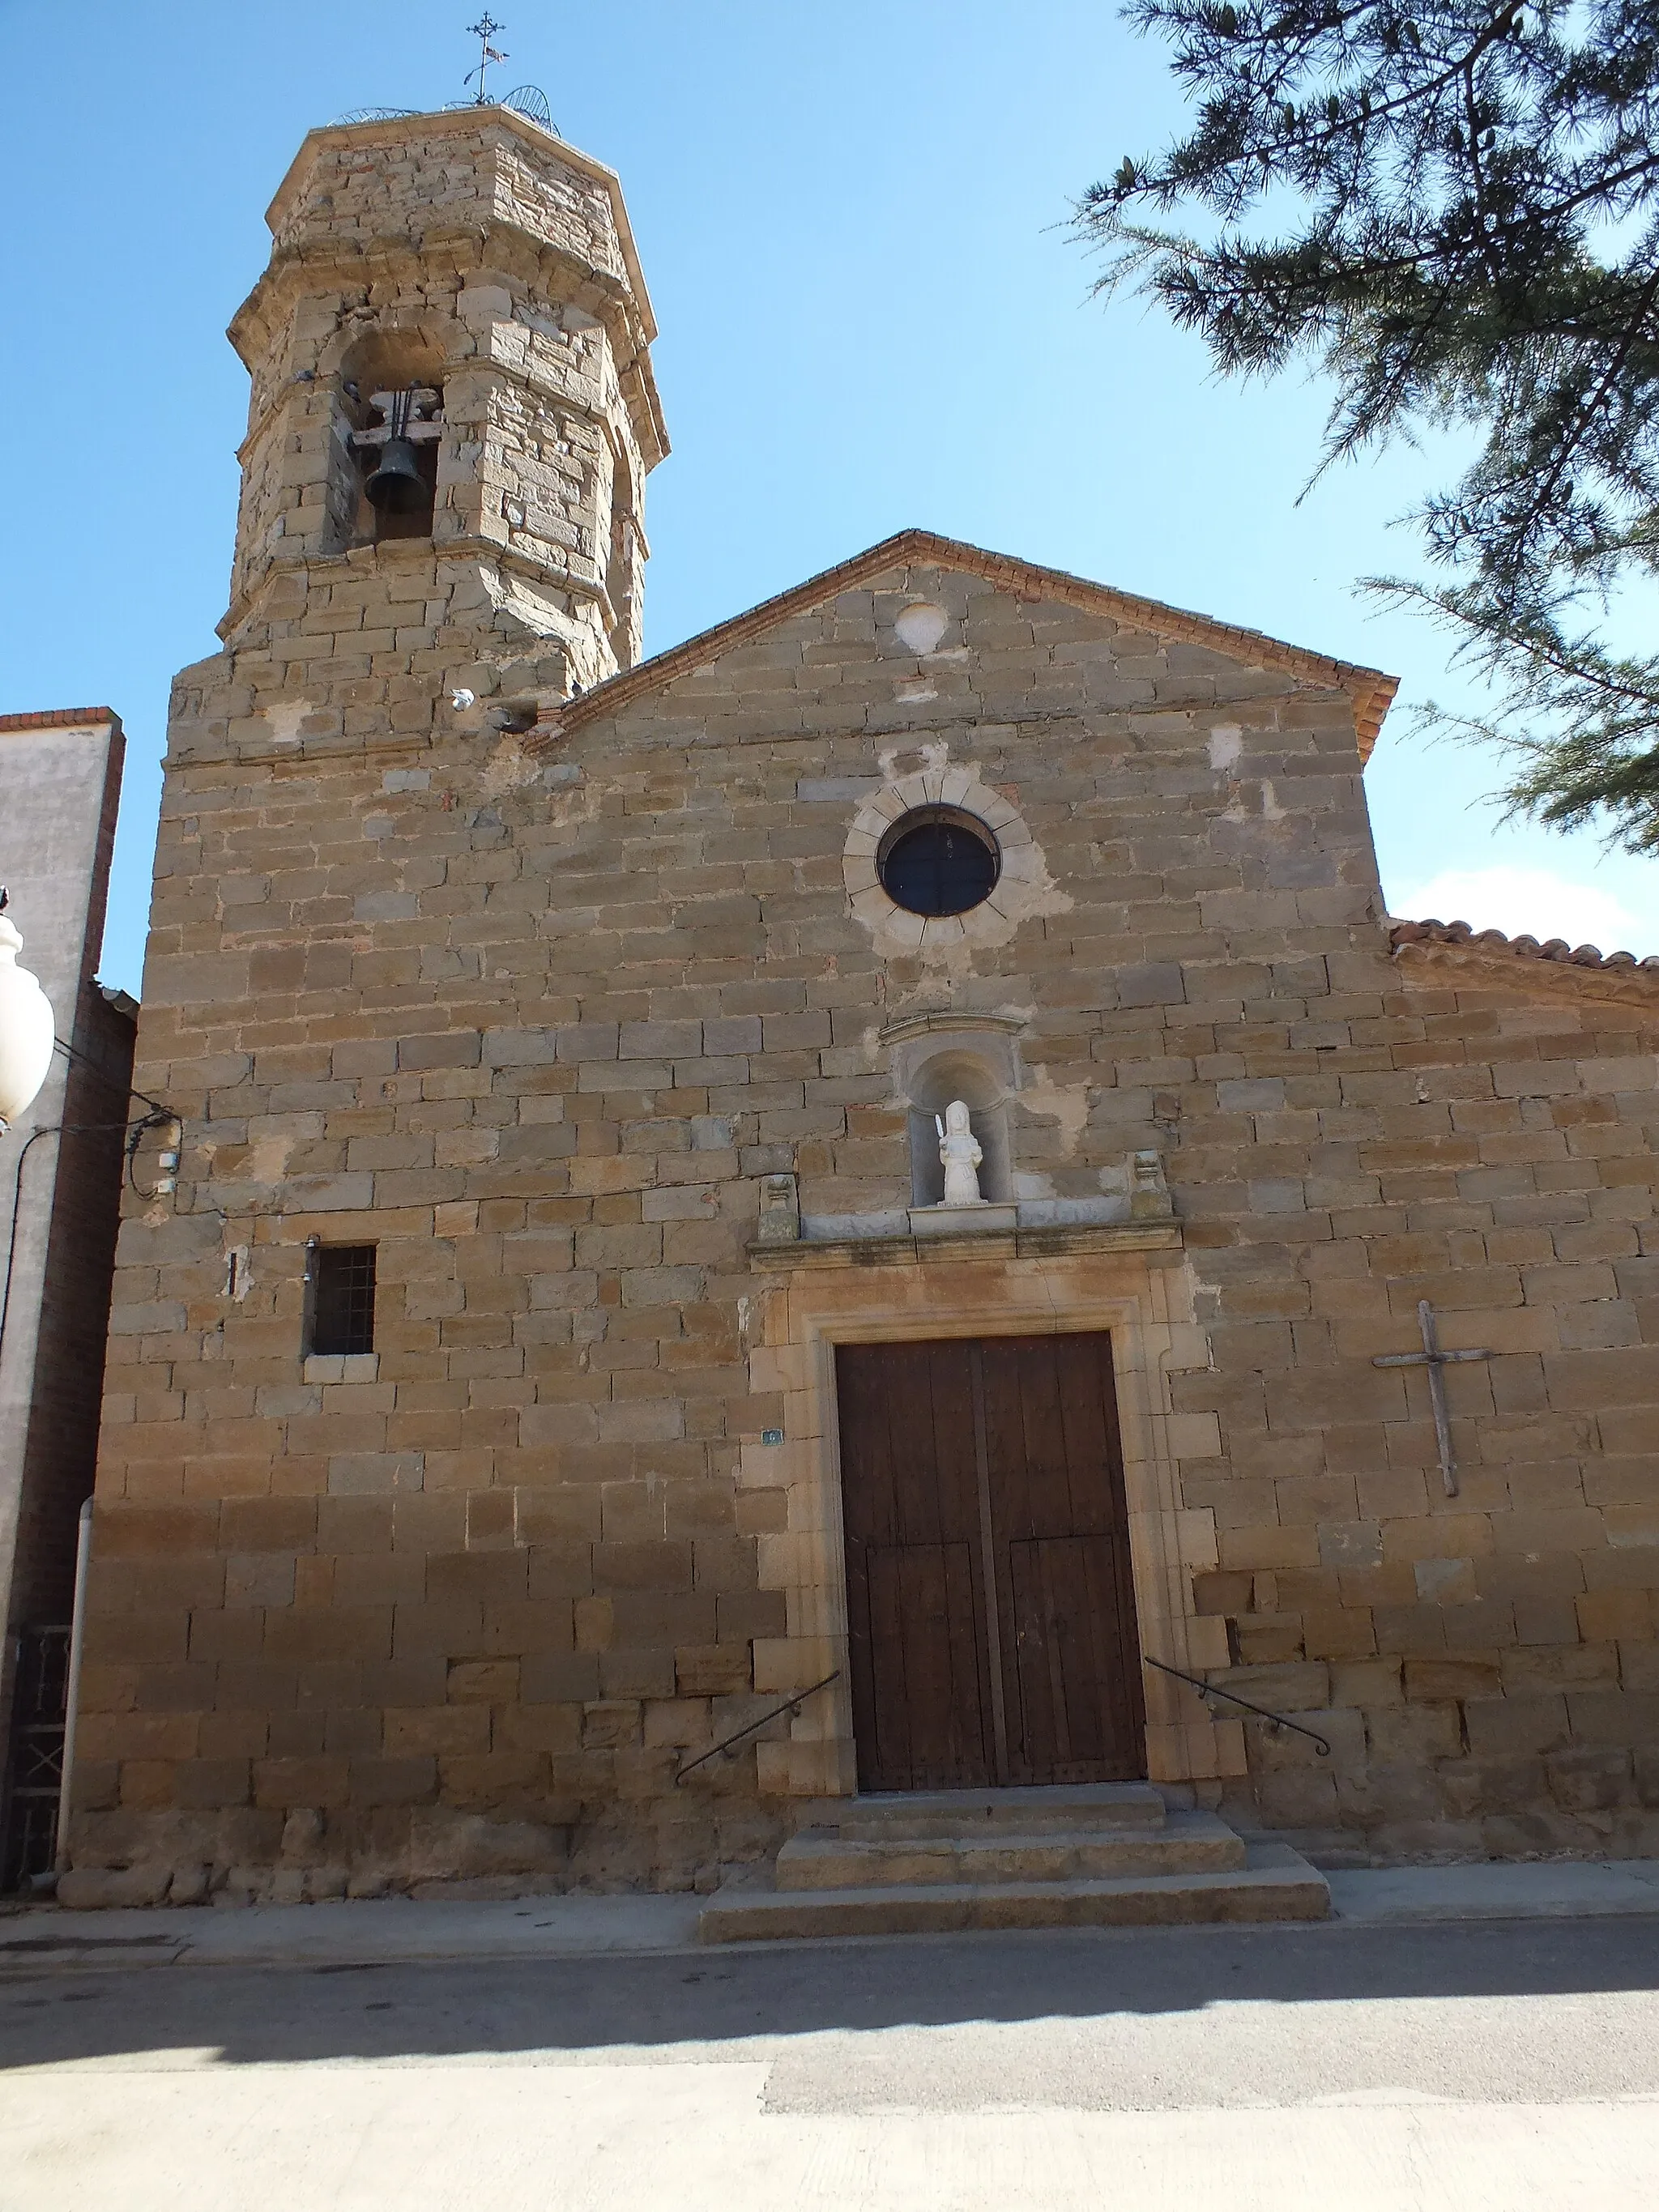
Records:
x=1520, y=948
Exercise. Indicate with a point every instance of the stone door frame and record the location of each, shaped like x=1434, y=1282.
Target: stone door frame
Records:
x=1146, y=1308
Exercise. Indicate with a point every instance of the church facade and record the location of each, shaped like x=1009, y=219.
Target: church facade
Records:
x=889, y=1156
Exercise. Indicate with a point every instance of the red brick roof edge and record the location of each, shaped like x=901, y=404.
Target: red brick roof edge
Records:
x=1520, y=948
x=59, y=718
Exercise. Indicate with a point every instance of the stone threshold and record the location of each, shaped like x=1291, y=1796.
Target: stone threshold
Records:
x=1274, y=1884
x=1057, y=1239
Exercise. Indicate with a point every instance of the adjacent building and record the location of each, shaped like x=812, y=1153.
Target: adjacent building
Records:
x=60, y=1181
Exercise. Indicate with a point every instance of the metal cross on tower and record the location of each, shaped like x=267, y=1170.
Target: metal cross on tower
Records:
x=1433, y=1357
x=483, y=31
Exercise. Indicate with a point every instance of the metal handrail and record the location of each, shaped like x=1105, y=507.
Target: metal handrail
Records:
x=789, y=1706
x=1215, y=1690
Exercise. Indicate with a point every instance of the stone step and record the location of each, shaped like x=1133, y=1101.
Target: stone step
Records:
x=1275, y=1883
x=1187, y=1843
x=936, y=1812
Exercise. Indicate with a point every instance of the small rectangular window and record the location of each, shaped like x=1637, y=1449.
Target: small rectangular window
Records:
x=340, y=1279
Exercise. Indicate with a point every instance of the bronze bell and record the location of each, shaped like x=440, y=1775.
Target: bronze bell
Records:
x=397, y=486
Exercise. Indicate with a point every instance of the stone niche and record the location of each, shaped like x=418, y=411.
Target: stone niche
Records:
x=936, y=1057
x=948, y=1059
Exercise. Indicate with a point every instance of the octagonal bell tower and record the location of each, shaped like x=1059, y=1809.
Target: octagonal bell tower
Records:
x=439, y=541
x=465, y=284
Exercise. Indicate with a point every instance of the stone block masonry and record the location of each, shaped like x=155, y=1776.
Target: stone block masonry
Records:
x=536, y=1011
x=473, y=255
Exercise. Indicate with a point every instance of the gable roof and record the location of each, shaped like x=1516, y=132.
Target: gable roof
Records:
x=1369, y=688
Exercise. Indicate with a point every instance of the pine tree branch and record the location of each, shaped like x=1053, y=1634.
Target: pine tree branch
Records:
x=1465, y=175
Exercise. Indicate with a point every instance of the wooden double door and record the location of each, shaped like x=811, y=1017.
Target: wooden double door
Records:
x=991, y=1607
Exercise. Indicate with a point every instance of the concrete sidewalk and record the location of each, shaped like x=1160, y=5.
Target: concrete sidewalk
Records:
x=1498, y=1889
x=395, y=1930
x=384, y=1931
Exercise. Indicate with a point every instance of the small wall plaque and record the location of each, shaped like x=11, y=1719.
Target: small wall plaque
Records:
x=771, y=1435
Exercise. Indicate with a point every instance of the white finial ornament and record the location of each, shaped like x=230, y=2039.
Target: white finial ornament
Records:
x=27, y=1030
x=961, y=1152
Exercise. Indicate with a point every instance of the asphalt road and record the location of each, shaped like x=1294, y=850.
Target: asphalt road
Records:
x=1494, y=2066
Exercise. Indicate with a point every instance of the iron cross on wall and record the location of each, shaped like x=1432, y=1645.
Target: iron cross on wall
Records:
x=1436, y=1361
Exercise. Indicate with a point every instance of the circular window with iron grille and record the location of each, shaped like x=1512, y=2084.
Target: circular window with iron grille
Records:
x=936, y=860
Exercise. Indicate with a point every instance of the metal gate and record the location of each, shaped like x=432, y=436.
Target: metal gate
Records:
x=34, y=1760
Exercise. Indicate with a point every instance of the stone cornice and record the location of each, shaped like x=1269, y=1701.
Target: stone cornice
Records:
x=309, y=752
x=339, y=263
x=995, y=1245
x=398, y=552
x=459, y=123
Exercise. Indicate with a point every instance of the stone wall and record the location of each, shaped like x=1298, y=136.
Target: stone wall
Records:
x=1483, y=1665
x=537, y=1020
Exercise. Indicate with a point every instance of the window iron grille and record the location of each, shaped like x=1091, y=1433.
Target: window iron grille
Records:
x=340, y=1281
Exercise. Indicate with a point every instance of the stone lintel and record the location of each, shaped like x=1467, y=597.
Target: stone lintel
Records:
x=994, y=1244
x=948, y=1020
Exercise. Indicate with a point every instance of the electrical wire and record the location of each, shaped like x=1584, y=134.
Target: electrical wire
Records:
x=134, y=1131
x=125, y=1089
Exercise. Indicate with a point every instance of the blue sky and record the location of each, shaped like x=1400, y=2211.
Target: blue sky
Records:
x=852, y=218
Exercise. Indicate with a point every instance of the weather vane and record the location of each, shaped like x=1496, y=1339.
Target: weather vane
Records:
x=483, y=31
x=528, y=101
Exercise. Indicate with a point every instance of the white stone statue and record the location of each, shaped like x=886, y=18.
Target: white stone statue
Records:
x=960, y=1151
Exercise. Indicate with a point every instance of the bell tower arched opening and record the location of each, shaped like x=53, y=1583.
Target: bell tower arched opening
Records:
x=387, y=434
